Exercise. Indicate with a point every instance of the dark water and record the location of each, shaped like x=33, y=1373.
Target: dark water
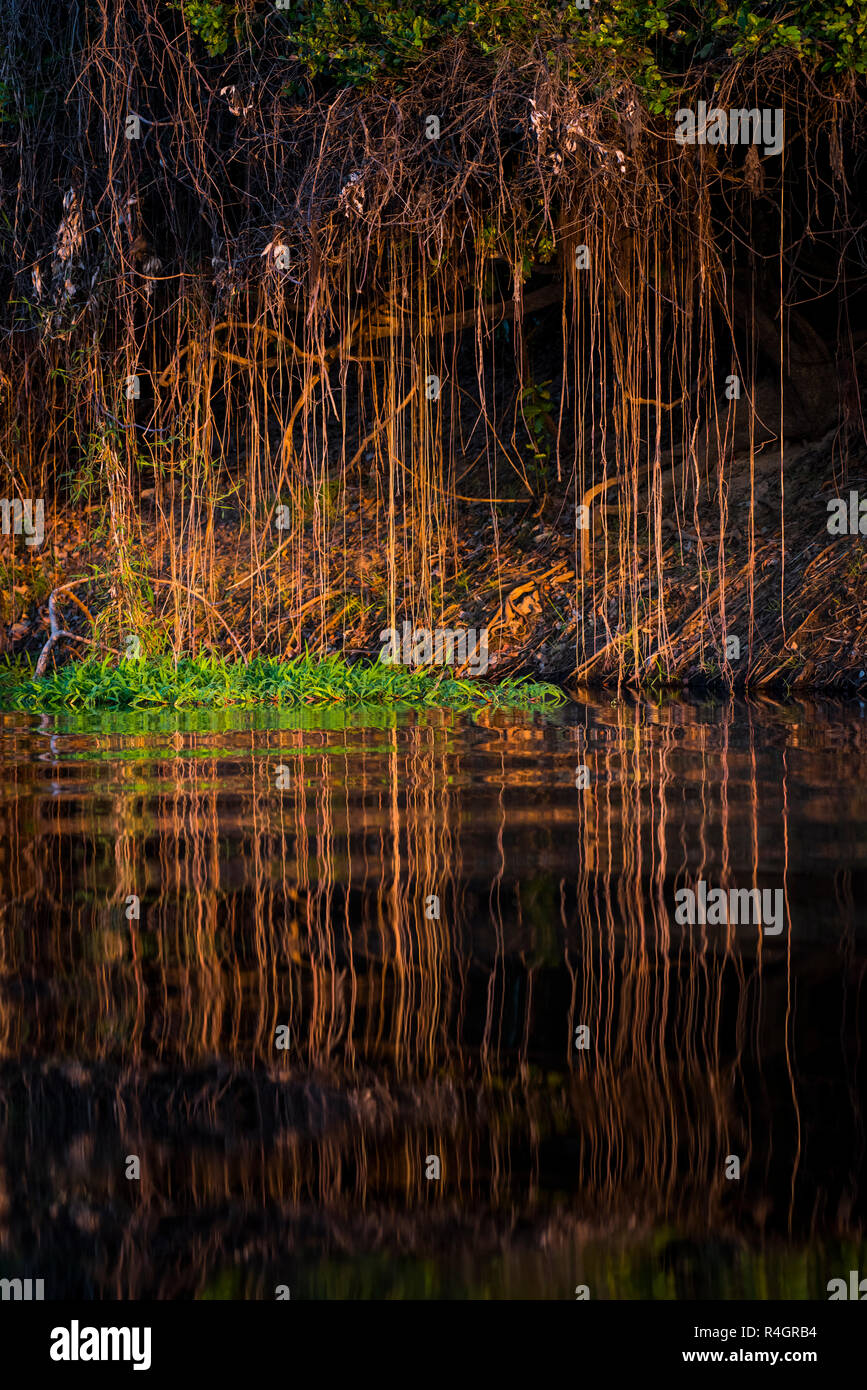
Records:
x=409, y=1037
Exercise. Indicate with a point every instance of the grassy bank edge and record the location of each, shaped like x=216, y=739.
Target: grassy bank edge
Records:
x=213, y=682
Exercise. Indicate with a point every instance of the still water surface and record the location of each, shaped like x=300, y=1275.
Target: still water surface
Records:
x=287, y=1034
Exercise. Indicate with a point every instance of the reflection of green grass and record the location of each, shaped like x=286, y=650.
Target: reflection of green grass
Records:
x=657, y=1266
x=226, y=1286
x=305, y=681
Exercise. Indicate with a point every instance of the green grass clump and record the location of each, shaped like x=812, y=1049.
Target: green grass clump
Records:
x=211, y=682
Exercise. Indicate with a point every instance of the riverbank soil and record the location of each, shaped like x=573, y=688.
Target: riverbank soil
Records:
x=518, y=572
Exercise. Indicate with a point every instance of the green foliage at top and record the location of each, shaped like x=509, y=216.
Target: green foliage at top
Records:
x=353, y=42
x=211, y=22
